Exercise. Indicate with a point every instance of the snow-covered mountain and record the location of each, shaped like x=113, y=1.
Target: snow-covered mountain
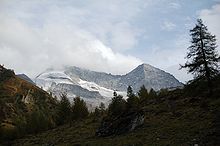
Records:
x=95, y=87
x=58, y=82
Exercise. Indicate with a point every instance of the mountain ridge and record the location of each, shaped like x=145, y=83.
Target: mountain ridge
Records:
x=26, y=78
x=101, y=84
x=18, y=100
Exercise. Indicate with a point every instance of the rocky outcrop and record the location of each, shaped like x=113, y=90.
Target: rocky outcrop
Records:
x=115, y=125
x=28, y=98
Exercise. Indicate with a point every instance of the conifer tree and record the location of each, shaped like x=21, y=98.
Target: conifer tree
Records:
x=203, y=59
x=64, y=109
x=130, y=91
x=102, y=108
x=143, y=94
x=117, y=105
x=79, y=109
x=96, y=113
x=152, y=93
x=132, y=100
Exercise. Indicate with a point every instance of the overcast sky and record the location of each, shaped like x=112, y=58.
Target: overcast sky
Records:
x=113, y=36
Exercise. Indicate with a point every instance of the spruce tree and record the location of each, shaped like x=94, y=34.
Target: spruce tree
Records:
x=143, y=94
x=130, y=91
x=132, y=100
x=79, y=109
x=152, y=94
x=117, y=105
x=64, y=109
x=203, y=59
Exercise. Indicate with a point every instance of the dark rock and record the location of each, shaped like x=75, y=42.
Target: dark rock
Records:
x=123, y=123
x=5, y=73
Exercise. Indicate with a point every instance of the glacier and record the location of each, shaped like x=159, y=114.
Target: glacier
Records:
x=96, y=87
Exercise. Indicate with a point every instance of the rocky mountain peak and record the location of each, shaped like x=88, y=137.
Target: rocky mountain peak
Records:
x=83, y=82
x=145, y=66
x=143, y=69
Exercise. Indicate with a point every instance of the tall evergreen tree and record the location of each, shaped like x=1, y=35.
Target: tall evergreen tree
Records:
x=132, y=100
x=130, y=91
x=117, y=105
x=102, y=108
x=79, y=109
x=203, y=59
x=64, y=109
x=152, y=93
x=143, y=94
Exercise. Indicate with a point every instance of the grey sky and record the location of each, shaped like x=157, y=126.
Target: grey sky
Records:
x=104, y=35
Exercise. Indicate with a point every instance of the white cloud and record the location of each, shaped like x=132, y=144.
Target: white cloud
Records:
x=57, y=36
x=168, y=25
x=123, y=36
x=174, y=5
x=211, y=18
x=36, y=34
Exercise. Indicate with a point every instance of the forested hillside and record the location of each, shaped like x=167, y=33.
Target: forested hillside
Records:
x=184, y=117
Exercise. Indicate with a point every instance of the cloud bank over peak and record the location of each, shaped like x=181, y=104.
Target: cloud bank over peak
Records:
x=112, y=36
x=31, y=42
x=211, y=18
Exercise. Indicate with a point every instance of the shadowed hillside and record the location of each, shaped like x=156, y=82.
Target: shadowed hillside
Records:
x=22, y=104
x=181, y=117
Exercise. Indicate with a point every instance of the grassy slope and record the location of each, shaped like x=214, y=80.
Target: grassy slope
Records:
x=173, y=121
x=13, y=89
x=12, y=108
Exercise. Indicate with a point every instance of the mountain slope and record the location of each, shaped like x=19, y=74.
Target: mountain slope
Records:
x=95, y=87
x=58, y=82
x=108, y=81
x=149, y=76
x=18, y=100
x=144, y=74
x=26, y=78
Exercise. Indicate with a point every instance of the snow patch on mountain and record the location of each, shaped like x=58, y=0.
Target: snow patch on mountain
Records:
x=91, y=86
x=58, y=82
x=47, y=79
x=96, y=87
